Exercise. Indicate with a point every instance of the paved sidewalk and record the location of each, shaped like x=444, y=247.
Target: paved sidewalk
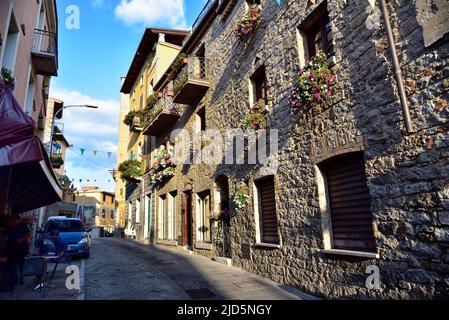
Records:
x=202, y=278
x=58, y=292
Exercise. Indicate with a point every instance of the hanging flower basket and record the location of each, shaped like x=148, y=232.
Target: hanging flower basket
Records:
x=255, y=121
x=8, y=79
x=163, y=168
x=130, y=170
x=314, y=84
x=249, y=23
x=241, y=197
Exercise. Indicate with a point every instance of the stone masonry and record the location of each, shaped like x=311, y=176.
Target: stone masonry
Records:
x=408, y=173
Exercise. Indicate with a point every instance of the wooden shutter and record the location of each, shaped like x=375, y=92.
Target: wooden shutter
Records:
x=350, y=205
x=268, y=218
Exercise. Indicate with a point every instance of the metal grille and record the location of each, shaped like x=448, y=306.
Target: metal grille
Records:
x=44, y=42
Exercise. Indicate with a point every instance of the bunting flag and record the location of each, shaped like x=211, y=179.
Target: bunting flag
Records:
x=279, y=2
x=372, y=3
x=82, y=151
x=95, y=152
x=109, y=155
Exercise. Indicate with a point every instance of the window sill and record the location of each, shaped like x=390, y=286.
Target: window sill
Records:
x=360, y=254
x=204, y=246
x=167, y=242
x=267, y=246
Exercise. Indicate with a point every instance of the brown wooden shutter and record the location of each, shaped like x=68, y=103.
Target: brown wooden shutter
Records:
x=268, y=218
x=350, y=205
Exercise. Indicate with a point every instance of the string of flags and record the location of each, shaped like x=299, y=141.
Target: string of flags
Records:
x=93, y=151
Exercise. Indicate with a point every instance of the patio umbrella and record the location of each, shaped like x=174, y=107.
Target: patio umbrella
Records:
x=27, y=180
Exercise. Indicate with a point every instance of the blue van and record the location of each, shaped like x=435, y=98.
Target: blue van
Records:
x=72, y=231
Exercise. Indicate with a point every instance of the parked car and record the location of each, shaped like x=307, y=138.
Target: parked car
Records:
x=130, y=232
x=72, y=231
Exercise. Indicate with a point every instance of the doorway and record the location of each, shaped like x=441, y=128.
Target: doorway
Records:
x=224, y=224
x=187, y=223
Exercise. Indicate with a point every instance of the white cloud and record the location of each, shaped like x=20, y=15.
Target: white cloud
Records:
x=93, y=129
x=169, y=13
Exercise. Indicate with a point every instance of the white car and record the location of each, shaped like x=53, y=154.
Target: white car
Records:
x=130, y=232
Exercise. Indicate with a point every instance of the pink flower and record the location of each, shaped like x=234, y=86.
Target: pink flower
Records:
x=318, y=95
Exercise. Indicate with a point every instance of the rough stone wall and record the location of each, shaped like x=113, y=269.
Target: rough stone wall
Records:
x=408, y=174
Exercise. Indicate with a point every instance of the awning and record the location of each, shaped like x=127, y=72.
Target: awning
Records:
x=27, y=180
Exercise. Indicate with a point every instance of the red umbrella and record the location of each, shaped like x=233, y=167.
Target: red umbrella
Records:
x=27, y=180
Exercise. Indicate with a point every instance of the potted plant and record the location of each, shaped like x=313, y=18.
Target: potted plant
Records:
x=129, y=118
x=8, y=79
x=314, y=84
x=241, y=197
x=152, y=100
x=56, y=162
x=130, y=170
x=249, y=22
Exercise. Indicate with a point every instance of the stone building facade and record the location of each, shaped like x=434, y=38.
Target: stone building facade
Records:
x=405, y=170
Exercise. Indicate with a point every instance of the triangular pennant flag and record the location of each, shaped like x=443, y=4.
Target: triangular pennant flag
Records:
x=279, y=2
x=95, y=153
x=109, y=155
x=372, y=3
x=82, y=151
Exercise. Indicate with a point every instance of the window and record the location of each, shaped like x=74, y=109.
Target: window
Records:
x=141, y=102
x=348, y=220
x=31, y=90
x=316, y=33
x=248, y=3
x=171, y=217
x=259, y=88
x=162, y=219
x=202, y=119
x=103, y=214
x=11, y=44
x=265, y=206
x=112, y=214
x=150, y=89
x=203, y=208
x=137, y=211
x=104, y=198
x=130, y=212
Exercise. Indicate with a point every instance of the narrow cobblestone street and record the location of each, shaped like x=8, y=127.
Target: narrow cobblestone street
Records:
x=120, y=269
x=125, y=270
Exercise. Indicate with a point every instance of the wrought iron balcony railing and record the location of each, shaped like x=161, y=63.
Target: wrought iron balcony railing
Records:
x=162, y=116
x=191, y=83
x=45, y=52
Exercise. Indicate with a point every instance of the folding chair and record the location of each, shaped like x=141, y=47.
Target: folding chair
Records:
x=65, y=258
x=33, y=267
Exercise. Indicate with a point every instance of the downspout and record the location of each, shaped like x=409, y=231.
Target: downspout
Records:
x=397, y=68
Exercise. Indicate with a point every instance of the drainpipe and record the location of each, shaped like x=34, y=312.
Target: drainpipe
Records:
x=397, y=68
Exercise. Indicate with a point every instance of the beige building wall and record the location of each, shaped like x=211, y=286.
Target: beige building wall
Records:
x=122, y=155
x=26, y=16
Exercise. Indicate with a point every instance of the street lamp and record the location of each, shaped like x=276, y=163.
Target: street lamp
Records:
x=60, y=111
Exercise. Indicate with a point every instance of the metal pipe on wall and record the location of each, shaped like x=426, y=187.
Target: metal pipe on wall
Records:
x=397, y=67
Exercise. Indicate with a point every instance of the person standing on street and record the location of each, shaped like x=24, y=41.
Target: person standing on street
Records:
x=18, y=246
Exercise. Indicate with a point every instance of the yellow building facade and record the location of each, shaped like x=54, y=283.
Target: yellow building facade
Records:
x=99, y=207
x=155, y=54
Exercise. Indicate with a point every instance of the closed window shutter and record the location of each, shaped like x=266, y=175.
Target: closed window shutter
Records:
x=350, y=204
x=268, y=218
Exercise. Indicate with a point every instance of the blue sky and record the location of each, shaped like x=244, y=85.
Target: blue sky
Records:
x=91, y=61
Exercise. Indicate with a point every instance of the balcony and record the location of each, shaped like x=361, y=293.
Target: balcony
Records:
x=44, y=53
x=162, y=116
x=191, y=84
